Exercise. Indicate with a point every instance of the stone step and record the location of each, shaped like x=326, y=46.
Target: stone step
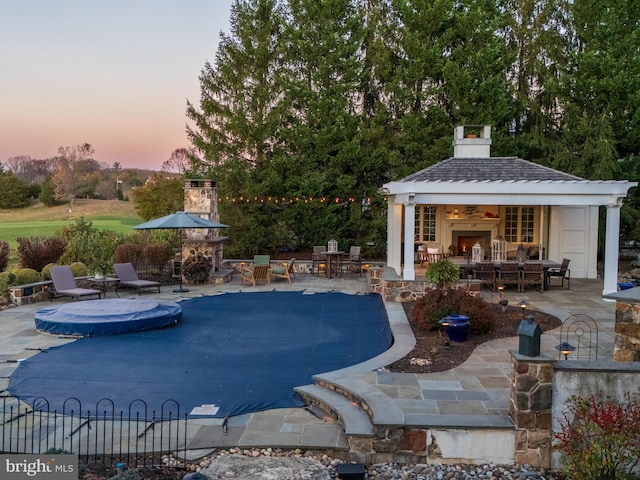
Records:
x=353, y=419
x=384, y=411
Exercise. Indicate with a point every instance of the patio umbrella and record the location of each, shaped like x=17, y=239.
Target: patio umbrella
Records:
x=179, y=220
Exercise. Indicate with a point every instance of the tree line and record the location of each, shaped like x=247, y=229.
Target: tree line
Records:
x=74, y=173
x=311, y=100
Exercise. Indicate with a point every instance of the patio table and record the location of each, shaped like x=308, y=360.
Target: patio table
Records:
x=333, y=262
x=546, y=265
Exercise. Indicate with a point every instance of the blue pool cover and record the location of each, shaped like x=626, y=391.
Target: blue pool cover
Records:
x=230, y=354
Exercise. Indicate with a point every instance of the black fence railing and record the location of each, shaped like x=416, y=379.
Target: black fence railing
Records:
x=136, y=437
x=166, y=274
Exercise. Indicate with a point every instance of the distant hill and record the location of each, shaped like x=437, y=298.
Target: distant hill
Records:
x=81, y=208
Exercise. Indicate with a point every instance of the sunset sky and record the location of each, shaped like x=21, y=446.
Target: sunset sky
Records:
x=116, y=74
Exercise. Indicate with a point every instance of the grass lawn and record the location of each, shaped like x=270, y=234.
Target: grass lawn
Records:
x=41, y=221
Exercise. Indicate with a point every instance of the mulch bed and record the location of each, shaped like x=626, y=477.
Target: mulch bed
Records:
x=430, y=345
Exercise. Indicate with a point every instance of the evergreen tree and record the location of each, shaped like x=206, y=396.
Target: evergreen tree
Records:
x=237, y=126
x=601, y=87
x=14, y=192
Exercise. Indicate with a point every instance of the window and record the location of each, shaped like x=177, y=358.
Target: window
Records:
x=425, y=223
x=519, y=224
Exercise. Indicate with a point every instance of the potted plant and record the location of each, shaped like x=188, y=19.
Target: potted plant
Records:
x=443, y=273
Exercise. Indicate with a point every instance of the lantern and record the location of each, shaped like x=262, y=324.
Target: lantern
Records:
x=521, y=253
x=476, y=253
x=333, y=246
x=498, y=249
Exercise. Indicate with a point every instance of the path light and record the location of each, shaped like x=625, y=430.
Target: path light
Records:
x=523, y=305
x=503, y=304
x=565, y=348
x=444, y=322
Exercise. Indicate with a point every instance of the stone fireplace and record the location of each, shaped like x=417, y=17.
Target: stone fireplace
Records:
x=201, y=199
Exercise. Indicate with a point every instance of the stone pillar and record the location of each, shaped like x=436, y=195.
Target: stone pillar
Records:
x=530, y=408
x=376, y=281
x=626, y=346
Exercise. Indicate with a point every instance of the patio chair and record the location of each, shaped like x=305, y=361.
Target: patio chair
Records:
x=353, y=262
x=128, y=277
x=284, y=270
x=486, y=273
x=563, y=273
x=254, y=273
x=64, y=284
x=532, y=274
x=509, y=274
x=261, y=259
x=319, y=257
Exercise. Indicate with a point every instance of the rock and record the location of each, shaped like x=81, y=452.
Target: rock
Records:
x=238, y=467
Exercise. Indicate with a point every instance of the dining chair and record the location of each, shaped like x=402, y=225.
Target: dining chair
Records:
x=508, y=273
x=486, y=273
x=562, y=274
x=318, y=259
x=353, y=262
x=532, y=274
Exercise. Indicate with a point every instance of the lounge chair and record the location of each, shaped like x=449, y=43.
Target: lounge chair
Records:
x=64, y=284
x=255, y=273
x=128, y=277
x=284, y=270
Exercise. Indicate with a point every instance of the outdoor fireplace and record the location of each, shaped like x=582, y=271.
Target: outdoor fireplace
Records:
x=465, y=239
x=201, y=199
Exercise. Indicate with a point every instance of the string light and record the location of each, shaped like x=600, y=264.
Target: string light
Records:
x=292, y=200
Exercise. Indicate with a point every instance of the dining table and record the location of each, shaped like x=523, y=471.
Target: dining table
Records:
x=467, y=265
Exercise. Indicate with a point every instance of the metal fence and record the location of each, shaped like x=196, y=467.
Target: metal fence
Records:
x=136, y=437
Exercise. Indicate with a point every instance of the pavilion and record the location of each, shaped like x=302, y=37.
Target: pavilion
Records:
x=473, y=197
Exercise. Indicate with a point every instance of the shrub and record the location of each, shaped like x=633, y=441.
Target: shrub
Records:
x=27, y=275
x=7, y=279
x=36, y=252
x=439, y=303
x=79, y=269
x=157, y=253
x=46, y=271
x=4, y=255
x=600, y=437
x=443, y=272
x=128, y=253
x=95, y=248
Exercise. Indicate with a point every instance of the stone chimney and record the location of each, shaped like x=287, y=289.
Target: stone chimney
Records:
x=472, y=141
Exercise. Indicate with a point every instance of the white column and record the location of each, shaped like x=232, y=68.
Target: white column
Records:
x=541, y=233
x=611, y=247
x=408, y=273
x=394, y=235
